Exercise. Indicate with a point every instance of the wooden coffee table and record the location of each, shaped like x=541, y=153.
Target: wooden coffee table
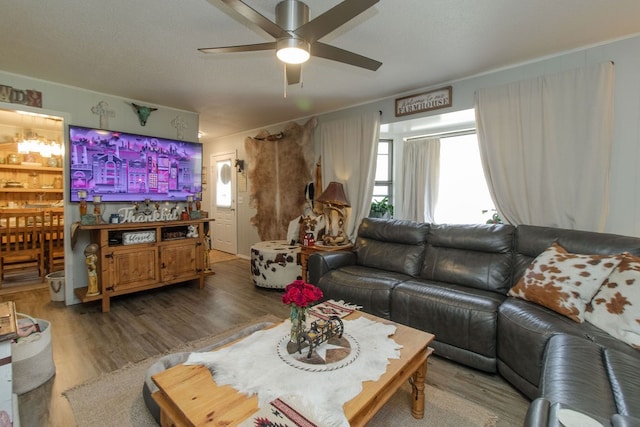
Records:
x=188, y=396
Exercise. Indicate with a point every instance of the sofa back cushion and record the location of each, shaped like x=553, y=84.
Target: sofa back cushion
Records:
x=394, y=245
x=476, y=255
x=532, y=240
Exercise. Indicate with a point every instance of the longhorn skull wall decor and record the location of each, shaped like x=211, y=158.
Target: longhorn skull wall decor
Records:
x=143, y=112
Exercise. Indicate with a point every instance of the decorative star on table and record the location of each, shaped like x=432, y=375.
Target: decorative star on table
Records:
x=322, y=350
x=334, y=350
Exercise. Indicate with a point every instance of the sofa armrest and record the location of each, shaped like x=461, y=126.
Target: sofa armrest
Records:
x=624, y=421
x=538, y=413
x=543, y=413
x=320, y=263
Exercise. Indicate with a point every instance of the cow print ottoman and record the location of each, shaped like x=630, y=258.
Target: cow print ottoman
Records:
x=275, y=264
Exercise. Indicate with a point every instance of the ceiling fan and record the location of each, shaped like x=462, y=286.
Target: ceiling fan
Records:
x=297, y=37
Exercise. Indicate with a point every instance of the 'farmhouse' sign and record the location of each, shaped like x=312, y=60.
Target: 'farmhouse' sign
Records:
x=432, y=100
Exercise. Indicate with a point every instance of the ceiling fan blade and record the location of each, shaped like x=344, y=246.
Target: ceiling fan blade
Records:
x=333, y=53
x=240, y=48
x=293, y=73
x=256, y=18
x=332, y=19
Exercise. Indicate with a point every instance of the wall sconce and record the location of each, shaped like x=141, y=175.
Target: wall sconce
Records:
x=239, y=165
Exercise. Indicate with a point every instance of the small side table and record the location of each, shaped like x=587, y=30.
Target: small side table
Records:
x=308, y=250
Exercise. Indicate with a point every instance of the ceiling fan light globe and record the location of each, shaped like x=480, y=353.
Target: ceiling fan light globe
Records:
x=292, y=55
x=292, y=51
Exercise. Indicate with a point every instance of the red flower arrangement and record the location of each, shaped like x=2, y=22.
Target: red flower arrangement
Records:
x=301, y=294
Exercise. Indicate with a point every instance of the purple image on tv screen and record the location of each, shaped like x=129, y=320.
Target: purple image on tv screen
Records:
x=124, y=167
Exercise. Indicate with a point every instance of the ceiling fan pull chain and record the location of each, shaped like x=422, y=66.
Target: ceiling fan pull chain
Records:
x=285, y=81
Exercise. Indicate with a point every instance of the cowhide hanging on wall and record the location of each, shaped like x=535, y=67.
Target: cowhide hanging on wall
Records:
x=279, y=168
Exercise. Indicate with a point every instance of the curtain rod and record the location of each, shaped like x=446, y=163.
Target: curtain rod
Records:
x=444, y=134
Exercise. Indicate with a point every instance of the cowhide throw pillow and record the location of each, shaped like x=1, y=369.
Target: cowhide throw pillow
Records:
x=564, y=282
x=616, y=306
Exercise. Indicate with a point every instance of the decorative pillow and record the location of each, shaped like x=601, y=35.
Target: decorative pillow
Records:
x=564, y=282
x=616, y=306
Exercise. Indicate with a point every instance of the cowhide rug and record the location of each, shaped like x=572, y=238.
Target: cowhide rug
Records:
x=279, y=168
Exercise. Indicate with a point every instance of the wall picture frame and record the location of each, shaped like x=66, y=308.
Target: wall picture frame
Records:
x=425, y=101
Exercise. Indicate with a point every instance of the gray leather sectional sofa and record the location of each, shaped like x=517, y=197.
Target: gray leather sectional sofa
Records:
x=453, y=280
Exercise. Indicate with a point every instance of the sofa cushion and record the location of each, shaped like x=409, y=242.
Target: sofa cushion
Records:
x=368, y=287
x=393, y=245
x=478, y=255
x=459, y=316
x=616, y=306
x=564, y=282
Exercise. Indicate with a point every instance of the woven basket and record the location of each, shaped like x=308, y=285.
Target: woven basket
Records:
x=32, y=356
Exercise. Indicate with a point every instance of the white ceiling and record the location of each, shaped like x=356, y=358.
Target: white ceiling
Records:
x=146, y=50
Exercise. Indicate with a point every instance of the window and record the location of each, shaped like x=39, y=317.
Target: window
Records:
x=463, y=196
x=383, y=186
x=223, y=184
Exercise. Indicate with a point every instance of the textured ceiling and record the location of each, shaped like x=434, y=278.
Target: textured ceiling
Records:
x=147, y=50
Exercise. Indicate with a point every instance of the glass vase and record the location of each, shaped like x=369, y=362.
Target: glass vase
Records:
x=298, y=318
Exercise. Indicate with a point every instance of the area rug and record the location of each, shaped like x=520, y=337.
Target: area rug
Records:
x=115, y=399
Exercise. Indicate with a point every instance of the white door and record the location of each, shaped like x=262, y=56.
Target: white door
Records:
x=223, y=230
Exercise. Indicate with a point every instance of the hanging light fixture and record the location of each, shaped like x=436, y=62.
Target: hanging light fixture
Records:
x=292, y=51
x=31, y=142
x=290, y=15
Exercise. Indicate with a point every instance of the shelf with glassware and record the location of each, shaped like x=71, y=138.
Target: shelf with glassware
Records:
x=31, y=150
x=28, y=186
x=30, y=179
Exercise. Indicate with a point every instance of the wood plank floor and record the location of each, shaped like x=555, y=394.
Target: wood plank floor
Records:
x=88, y=343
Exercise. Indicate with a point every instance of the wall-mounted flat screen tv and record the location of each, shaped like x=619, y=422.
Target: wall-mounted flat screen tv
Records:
x=124, y=167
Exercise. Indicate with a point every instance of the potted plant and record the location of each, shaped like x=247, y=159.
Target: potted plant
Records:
x=495, y=217
x=381, y=209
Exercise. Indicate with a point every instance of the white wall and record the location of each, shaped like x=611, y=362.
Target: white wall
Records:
x=624, y=212
x=74, y=105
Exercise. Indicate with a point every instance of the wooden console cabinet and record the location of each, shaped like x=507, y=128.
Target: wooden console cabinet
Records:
x=138, y=256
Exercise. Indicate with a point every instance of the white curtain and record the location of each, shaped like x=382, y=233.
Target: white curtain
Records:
x=349, y=148
x=545, y=146
x=420, y=172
